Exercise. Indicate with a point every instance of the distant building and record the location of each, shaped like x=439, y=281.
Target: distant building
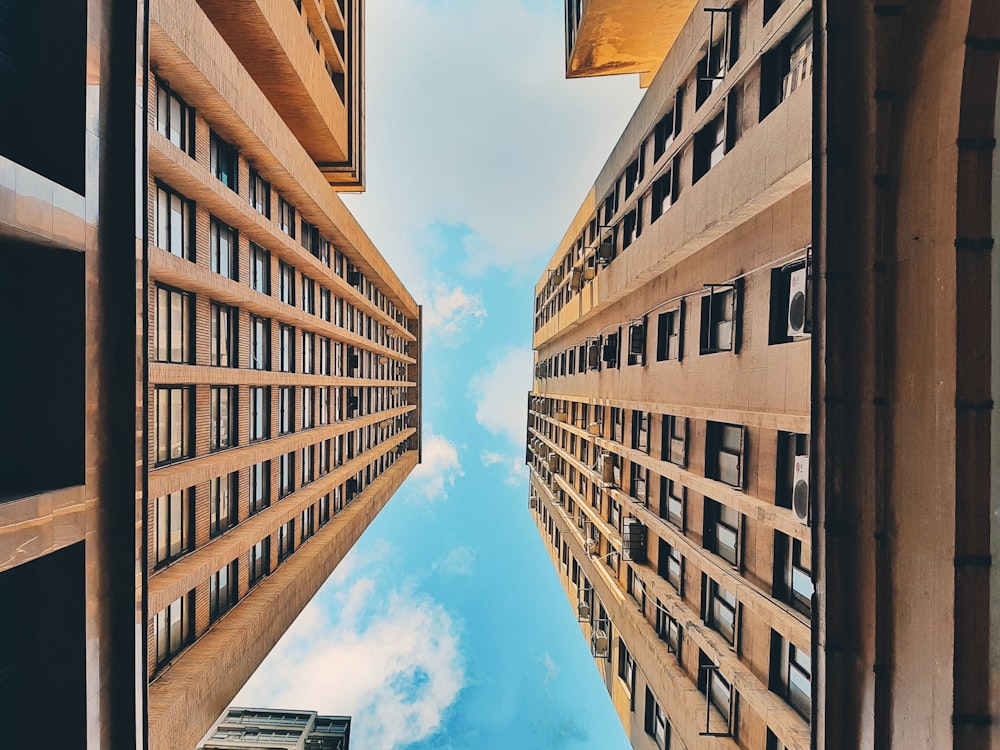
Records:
x=267, y=728
x=670, y=415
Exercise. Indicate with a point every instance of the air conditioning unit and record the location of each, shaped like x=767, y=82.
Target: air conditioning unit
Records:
x=576, y=278
x=589, y=273
x=553, y=460
x=797, y=302
x=637, y=338
x=607, y=470
x=800, y=489
x=591, y=546
x=533, y=503
x=599, y=643
x=605, y=251
x=594, y=428
x=562, y=416
x=583, y=610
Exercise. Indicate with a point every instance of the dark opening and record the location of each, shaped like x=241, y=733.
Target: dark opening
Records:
x=41, y=369
x=43, y=652
x=43, y=87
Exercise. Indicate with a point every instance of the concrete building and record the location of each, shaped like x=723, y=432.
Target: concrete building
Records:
x=670, y=415
x=280, y=395
x=266, y=728
x=210, y=387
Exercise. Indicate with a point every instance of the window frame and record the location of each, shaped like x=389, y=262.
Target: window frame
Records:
x=219, y=522
x=167, y=331
x=166, y=425
x=166, y=548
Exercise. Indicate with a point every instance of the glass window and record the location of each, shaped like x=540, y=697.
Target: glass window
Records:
x=222, y=590
x=286, y=474
x=308, y=344
x=286, y=410
x=260, y=269
x=286, y=217
x=286, y=341
x=172, y=523
x=260, y=560
x=223, y=417
x=223, y=161
x=260, y=413
x=260, y=193
x=174, y=118
x=260, y=486
x=174, y=439
x=286, y=280
x=223, y=249
x=223, y=343
x=223, y=503
x=173, y=326
x=174, y=220
x=172, y=629
x=260, y=343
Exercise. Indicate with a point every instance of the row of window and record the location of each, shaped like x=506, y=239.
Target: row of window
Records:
x=783, y=69
x=176, y=121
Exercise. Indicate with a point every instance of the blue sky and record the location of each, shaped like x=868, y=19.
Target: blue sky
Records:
x=445, y=626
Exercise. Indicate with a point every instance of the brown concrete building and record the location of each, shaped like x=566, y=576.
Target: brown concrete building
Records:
x=280, y=392
x=210, y=385
x=670, y=416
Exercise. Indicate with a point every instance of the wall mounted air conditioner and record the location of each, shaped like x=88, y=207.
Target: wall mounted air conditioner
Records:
x=605, y=251
x=599, y=643
x=533, y=503
x=797, y=303
x=562, y=416
x=576, y=278
x=589, y=273
x=583, y=610
x=800, y=489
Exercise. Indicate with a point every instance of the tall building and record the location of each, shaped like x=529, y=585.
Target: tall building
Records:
x=280, y=393
x=669, y=419
x=210, y=384
x=266, y=727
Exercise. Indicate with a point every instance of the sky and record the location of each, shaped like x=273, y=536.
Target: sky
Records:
x=445, y=626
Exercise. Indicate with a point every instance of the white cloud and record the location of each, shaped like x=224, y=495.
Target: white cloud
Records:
x=501, y=395
x=458, y=561
x=449, y=311
x=438, y=468
x=513, y=466
x=550, y=667
x=391, y=661
x=470, y=121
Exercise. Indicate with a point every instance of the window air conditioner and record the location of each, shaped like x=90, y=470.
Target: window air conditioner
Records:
x=797, y=302
x=562, y=416
x=594, y=428
x=583, y=610
x=589, y=273
x=533, y=503
x=576, y=279
x=605, y=251
x=607, y=470
x=800, y=489
x=599, y=643
x=591, y=546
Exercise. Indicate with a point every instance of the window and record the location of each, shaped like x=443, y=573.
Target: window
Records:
x=665, y=191
x=610, y=350
x=308, y=344
x=324, y=356
x=286, y=474
x=717, y=690
x=640, y=431
x=260, y=193
x=223, y=343
x=222, y=591
x=223, y=162
x=709, y=147
x=174, y=118
x=308, y=456
x=286, y=539
x=791, y=674
x=673, y=496
x=286, y=283
x=307, y=523
x=626, y=667
x=786, y=68
x=724, y=448
x=669, y=630
x=632, y=225
x=638, y=485
x=711, y=71
x=260, y=343
x=223, y=417
x=790, y=446
x=670, y=566
x=792, y=577
x=286, y=410
x=174, y=223
x=260, y=269
x=309, y=237
x=260, y=560
x=719, y=316
x=286, y=217
x=656, y=724
x=770, y=8
x=617, y=424
x=173, y=326
x=260, y=486
x=172, y=516
x=637, y=342
x=260, y=413
x=308, y=295
x=172, y=629
x=324, y=304
x=722, y=531
x=673, y=439
x=308, y=399
x=174, y=439
x=286, y=343
x=223, y=249
x=670, y=334
x=223, y=503
x=324, y=405
x=719, y=609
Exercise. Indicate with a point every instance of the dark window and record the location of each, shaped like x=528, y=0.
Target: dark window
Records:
x=286, y=539
x=286, y=217
x=286, y=474
x=223, y=161
x=792, y=574
x=223, y=503
x=260, y=193
x=711, y=71
x=260, y=413
x=222, y=428
x=260, y=269
x=791, y=674
x=722, y=531
x=717, y=689
x=260, y=343
x=222, y=590
x=673, y=499
x=260, y=560
x=286, y=410
x=725, y=448
x=223, y=343
x=640, y=431
x=709, y=147
x=609, y=351
x=786, y=67
x=172, y=628
x=174, y=324
x=719, y=609
x=286, y=281
x=174, y=433
x=286, y=348
x=172, y=515
x=174, y=223
x=664, y=192
x=223, y=249
x=770, y=8
x=669, y=630
x=174, y=119
x=663, y=135
x=670, y=334
x=670, y=566
x=260, y=486
x=637, y=342
x=720, y=318
x=308, y=345
x=673, y=439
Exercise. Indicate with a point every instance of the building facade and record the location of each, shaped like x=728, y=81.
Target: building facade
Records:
x=266, y=728
x=280, y=391
x=669, y=419
x=210, y=387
